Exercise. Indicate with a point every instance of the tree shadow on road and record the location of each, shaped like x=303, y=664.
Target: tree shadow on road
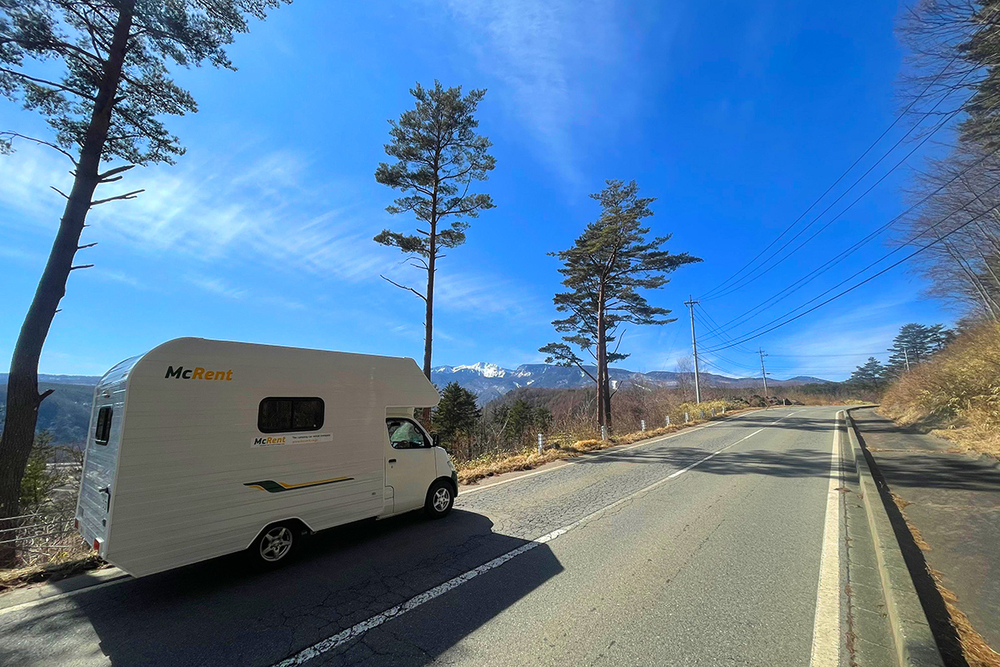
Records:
x=227, y=612
x=787, y=463
x=767, y=420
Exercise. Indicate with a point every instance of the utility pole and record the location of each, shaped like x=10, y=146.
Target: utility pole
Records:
x=691, y=303
x=763, y=373
x=906, y=358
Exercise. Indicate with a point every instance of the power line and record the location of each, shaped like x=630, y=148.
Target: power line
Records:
x=866, y=280
x=716, y=329
x=748, y=279
x=842, y=176
x=829, y=264
x=798, y=356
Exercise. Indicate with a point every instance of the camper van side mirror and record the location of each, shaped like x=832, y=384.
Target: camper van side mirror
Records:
x=436, y=438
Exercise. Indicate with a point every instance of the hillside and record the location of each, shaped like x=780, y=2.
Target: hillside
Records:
x=956, y=391
x=65, y=413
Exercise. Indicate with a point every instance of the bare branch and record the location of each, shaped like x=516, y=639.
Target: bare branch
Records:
x=403, y=287
x=46, y=82
x=104, y=178
x=16, y=135
x=84, y=247
x=59, y=191
x=127, y=195
x=81, y=266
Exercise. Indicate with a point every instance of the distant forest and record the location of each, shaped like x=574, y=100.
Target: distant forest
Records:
x=65, y=413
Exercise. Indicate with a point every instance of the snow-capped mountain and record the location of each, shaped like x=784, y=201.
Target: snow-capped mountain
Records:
x=489, y=381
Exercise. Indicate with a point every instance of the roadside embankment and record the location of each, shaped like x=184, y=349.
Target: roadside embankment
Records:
x=956, y=392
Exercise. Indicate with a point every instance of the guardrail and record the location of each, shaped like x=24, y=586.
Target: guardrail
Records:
x=40, y=537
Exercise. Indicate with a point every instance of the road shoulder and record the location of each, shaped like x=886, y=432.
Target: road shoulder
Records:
x=951, y=505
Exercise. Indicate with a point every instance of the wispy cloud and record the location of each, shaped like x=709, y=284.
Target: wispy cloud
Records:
x=559, y=60
x=207, y=207
x=216, y=286
x=115, y=277
x=263, y=212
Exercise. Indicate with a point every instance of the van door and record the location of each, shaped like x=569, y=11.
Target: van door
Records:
x=100, y=463
x=409, y=463
x=97, y=479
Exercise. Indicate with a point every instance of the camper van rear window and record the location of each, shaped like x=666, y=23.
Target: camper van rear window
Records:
x=283, y=415
x=103, y=431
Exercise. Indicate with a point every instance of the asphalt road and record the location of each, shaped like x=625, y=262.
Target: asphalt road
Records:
x=647, y=555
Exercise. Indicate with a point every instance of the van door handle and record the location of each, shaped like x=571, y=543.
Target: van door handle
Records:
x=107, y=490
x=392, y=460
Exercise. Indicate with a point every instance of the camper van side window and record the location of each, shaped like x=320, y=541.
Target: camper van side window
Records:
x=103, y=431
x=283, y=415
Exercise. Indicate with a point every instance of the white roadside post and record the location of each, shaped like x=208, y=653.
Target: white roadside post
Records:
x=642, y=424
x=668, y=420
x=686, y=418
x=539, y=443
x=604, y=432
x=723, y=409
x=713, y=412
x=702, y=413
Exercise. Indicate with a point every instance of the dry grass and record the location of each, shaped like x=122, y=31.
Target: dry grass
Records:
x=52, y=571
x=957, y=390
x=977, y=652
x=470, y=472
x=970, y=438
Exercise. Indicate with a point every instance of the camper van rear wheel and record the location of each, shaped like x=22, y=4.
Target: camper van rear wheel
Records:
x=275, y=543
x=440, y=499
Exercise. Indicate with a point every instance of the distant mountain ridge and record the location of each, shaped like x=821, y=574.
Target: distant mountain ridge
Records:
x=86, y=380
x=490, y=381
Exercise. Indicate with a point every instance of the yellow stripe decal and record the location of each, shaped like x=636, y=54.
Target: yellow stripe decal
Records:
x=272, y=486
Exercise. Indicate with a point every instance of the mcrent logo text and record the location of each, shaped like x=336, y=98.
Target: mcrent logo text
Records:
x=269, y=441
x=198, y=373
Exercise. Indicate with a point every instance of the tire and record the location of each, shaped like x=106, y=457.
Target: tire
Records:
x=275, y=544
x=440, y=499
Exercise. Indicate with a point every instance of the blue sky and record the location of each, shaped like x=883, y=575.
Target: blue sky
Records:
x=734, y=115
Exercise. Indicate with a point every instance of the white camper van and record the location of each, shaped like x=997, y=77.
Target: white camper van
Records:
x=200, y=448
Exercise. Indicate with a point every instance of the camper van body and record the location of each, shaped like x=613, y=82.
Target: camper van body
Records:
x=198, y=445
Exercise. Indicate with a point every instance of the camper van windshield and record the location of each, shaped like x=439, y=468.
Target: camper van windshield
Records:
x=405, y=434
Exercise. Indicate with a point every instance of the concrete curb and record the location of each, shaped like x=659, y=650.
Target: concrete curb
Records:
x=915, y=644
x=34, y=594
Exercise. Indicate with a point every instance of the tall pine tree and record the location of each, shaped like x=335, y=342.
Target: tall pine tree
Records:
x=915, y=343
x=604, y=270
x=456, y=413
x=870, y=374
x=100, y=71
x=438, y=155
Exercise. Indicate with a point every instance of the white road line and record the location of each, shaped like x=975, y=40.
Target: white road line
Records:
x=359, y=629
x=614, y=450
x=826, y=626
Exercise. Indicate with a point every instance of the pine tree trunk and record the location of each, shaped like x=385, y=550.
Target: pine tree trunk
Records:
x=23, y=398
x=429, y=314
x=607, y=395
x=602, y=364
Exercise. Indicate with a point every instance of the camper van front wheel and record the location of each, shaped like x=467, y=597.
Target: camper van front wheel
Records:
x=275, y=543
x=440, y=499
